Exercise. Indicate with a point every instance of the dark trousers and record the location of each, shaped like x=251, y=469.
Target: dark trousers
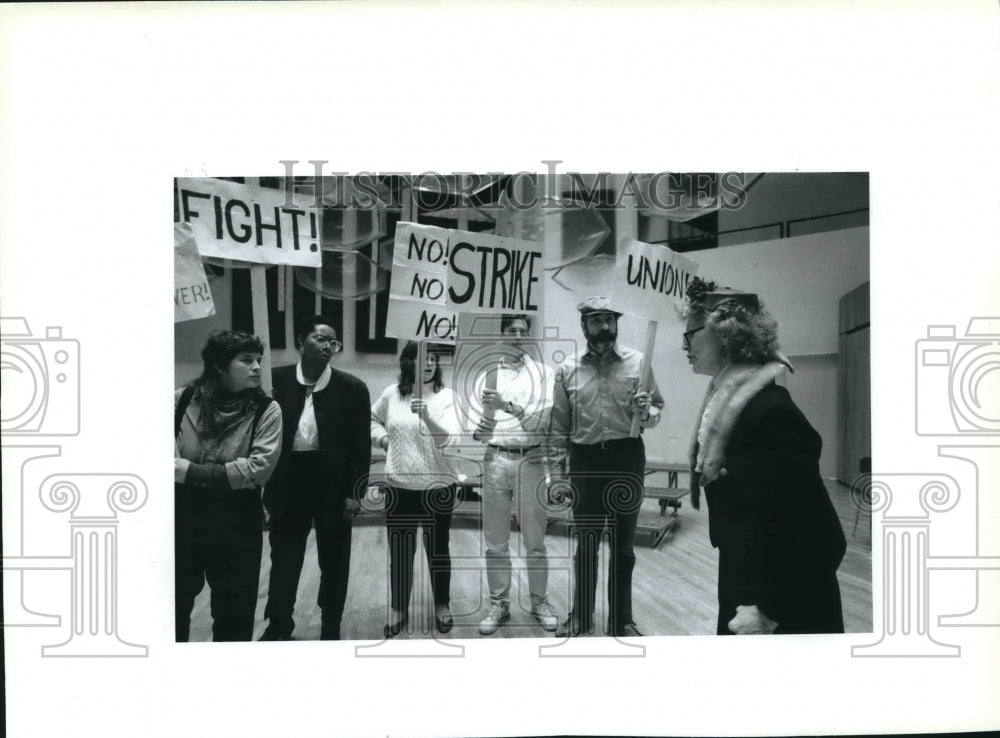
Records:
x=309, y=503
x=816, y=595
x=430, y=510
x=218, y=536
x=607, y=481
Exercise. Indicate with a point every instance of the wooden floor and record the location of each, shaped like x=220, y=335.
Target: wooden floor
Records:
x=673, y=584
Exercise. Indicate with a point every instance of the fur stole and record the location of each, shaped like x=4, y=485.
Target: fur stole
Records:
x=727, y=396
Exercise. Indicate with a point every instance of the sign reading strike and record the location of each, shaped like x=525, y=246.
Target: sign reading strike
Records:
x=647, y=274
x=249, y=223
x=491, y=274
x=437, y=273
x=192, y=296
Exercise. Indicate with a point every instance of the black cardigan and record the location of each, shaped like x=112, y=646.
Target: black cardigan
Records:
x=343, y=416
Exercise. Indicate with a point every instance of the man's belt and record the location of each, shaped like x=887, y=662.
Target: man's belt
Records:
x=514, y=450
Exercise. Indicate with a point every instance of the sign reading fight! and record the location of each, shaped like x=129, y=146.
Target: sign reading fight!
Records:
x=192, y=296
x=646, y=275
x=418, y=308
x=249, y=223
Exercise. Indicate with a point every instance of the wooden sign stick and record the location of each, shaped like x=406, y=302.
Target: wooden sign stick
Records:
x=418, y=380
x=261, y=327
x=647, y=359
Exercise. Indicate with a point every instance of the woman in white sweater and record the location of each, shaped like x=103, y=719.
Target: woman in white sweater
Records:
x=421, y=485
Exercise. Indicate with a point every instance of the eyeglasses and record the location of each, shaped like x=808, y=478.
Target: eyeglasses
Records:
x=333, y=343
x=688, y=335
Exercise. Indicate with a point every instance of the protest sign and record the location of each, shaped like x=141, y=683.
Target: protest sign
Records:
x=192, y=296
x=249, y=223
x=437, y=273
x=492, y=274
x=648, y=278
x=418, y=308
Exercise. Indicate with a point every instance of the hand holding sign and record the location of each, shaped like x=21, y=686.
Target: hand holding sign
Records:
x=645, y=274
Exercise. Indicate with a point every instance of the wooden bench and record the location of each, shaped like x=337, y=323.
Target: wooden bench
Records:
x=651, y=525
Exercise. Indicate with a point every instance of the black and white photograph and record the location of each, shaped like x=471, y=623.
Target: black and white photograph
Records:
x=533, y=369
x=551, y=475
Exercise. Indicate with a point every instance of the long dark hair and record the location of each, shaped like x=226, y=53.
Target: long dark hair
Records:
x=408, y=368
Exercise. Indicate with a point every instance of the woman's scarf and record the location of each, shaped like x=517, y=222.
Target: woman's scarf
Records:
x=727, y=396
x=221, y=410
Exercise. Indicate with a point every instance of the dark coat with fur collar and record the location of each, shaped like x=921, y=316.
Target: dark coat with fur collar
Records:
x=779, y=538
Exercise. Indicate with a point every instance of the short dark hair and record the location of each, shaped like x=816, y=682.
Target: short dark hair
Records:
x=307, y=325
x=508, y=318
x=222, y=347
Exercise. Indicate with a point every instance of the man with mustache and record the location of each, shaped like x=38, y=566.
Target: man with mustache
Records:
x=596, y=394
x=325, y=459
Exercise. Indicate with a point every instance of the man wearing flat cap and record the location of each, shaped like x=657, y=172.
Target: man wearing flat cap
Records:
x=597, y=392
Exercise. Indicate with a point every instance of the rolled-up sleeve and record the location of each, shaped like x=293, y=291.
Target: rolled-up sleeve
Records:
x=257, y=467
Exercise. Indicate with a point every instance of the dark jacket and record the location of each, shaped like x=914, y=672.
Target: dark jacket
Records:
x=779, y=537
x=343, y=412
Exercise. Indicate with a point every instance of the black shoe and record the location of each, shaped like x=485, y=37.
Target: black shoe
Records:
x=574, y=626
x=276, y=634
x=629, y=630
x=391, y=630
x=444, y=623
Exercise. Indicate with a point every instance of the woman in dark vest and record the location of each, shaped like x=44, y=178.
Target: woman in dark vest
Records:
x=757, y=457
x=228, y=439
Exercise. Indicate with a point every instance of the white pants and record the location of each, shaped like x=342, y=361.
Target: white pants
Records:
x=515, y=480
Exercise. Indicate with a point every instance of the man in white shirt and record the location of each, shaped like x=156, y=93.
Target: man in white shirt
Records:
x=323, y=468
x=515, y=467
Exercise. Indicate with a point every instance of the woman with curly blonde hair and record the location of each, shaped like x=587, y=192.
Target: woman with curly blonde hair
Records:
x=757, y=457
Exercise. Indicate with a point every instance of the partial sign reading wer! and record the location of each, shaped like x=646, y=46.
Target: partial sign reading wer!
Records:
x=249, y=223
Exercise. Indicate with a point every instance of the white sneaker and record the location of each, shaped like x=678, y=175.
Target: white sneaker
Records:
x=545, y=615
x=497, y=614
